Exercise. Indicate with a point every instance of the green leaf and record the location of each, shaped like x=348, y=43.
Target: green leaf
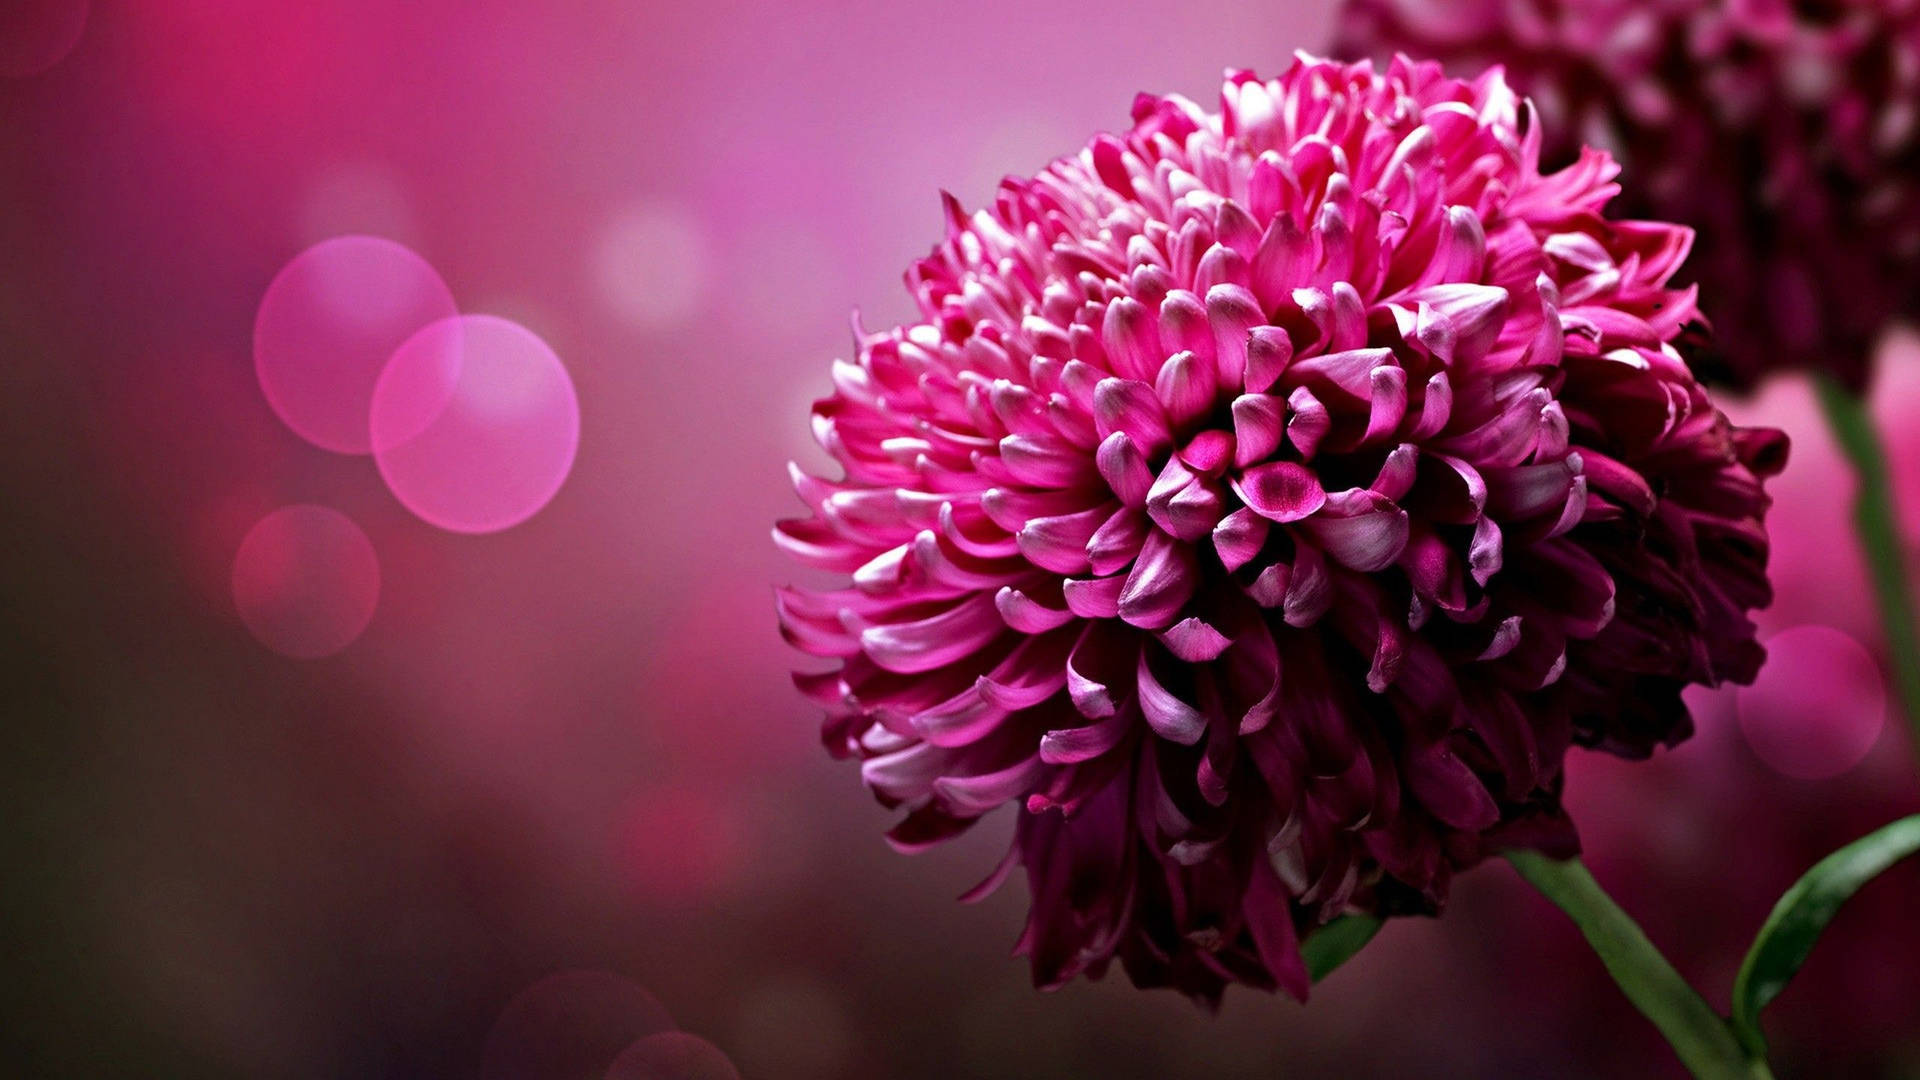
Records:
x=1335, y=943
x=1803, y=912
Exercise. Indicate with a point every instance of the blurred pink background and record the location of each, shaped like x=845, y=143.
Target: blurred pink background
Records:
x=571, y=746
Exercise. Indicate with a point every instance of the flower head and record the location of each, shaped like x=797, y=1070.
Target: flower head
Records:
x=1263, y=502
x=1786, y=131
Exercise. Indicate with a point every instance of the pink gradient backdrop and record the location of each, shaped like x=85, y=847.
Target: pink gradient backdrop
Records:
x=571, y=745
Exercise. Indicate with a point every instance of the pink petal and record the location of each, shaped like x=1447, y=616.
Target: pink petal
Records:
x=1269, y=587
x=1505, y=637
x=1059, y=544
x=1348, y=372
x=908, y=774
x=1208, y=452
x=1309, y=423
x=1526, y=491
x=1310, y=588
x=1221, y=265
x=1131, y=335
x=1070, y=746
x=810, y=542
x=1281, y=491
x=1027, y=615
x=1184, y=326
x=1238, y=538
x=1269, y=352
x=1484, y=553
x=1259, y=423
x=935, y=641
x=1168, y=716
x=1132, y=407
x=1030, y=674
x=1117, y=542
x=1193, y=640
x=1045, y=461
x=1163, y=579
x=960, y=720
x=1011, y=508
x=1186, y=386
x=1124, y=468
x=1283, y=260
x=1093, y=598
x=1349, y=325
x=971, y=796
x=1389, y=403
x=1359, y=529
x=1397, y=473
x=1234, y=313
x=1436, y=408
x=1237, y=229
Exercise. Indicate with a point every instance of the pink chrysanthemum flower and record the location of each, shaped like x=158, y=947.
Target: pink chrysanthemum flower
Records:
x=1787, y=132
x=1264, y=502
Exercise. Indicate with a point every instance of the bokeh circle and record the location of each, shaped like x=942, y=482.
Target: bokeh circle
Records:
x=37, y=34
x=475, y=424
x=306, y=581
x=570, y=1026
x=1818, y=705
x=327, y=326
x=651, y=266
x=672, y=1055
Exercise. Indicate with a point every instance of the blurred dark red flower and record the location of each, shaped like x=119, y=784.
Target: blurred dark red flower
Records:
x=1787, y=132
x=1263, y=503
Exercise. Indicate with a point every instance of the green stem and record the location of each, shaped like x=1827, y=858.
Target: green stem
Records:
x=1879, y=534
x=1701, y=1037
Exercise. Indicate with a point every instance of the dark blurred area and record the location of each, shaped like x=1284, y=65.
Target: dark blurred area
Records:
x=559, y=791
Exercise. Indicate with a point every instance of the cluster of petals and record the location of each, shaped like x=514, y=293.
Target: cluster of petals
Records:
x=1263, y=502
x=1787, y=132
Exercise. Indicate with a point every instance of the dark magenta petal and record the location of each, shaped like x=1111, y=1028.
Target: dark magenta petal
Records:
x=1170, y=718
x=1447, y=787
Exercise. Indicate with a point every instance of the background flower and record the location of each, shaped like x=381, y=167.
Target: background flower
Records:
x=1263, y=502
x=1786, y=131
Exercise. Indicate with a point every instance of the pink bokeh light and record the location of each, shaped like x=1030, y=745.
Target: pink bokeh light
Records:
x=37, y=34
x=652, y=265
x=672, y=1056
x=1818, y=705
x=569, y=1026
x=475, y=424
x=306, y=581
x=327, y=326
